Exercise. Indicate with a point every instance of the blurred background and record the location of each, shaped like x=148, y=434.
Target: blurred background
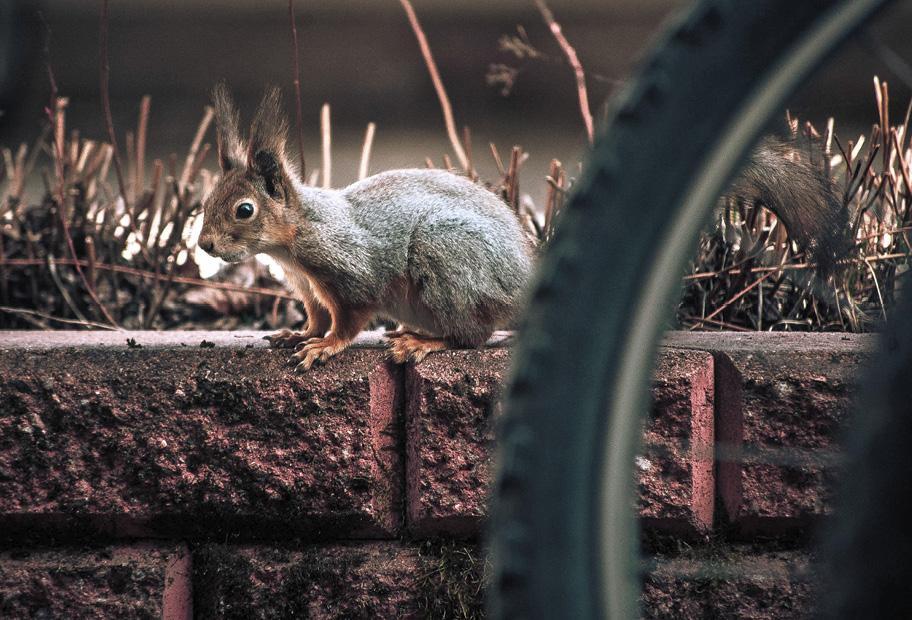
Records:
x=361, y=57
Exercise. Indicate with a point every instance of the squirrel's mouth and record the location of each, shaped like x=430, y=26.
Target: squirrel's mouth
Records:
x=234, y=257
x=230, y=256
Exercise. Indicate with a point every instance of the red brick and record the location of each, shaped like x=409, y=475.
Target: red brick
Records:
x=359, y=580
x=450, y=433
x=797, y=396
x=136, y=581
x=729, y=432
x=177, y=601
x=730, y=582
x=676, y=490
x=451, y=399
x=171, y=440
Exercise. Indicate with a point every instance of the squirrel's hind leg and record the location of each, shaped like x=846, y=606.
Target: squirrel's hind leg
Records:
x=410, y=346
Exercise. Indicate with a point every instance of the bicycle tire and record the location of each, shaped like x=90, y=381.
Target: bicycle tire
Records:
x=563, y=538
x=866, y=546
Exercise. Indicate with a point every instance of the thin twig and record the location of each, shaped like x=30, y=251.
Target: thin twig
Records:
x=143, y=273
x=141, y=128
x=49, y=317
x=160, y=296
x=573, y=59
x=512, y=178
x=296, y=81
x=552, y=198
x=736, y=297
x=498, y=161
x=326, y=133
x=733, y=269
x=883, y=308
x=91, y=260
x=198, y=164
x=467, y=143
x=91, y=290
x=130, y=157
x=438, y=83
x=698, y=322
x=187, y=172
x=52, y=269
x=60, y=198
x=366, y=151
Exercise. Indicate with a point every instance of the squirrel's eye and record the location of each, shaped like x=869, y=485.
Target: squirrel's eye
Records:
x=244, y=210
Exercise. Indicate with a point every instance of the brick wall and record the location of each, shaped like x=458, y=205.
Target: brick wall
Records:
x=191, y=473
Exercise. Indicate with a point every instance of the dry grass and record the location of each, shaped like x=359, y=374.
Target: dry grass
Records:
x=747, y=275
x=94, y=253
x=88, y=252
x=453, y=580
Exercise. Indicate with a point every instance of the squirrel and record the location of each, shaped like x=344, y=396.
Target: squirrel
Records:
x=784, y=180
x=443, y=256
x=439, y=254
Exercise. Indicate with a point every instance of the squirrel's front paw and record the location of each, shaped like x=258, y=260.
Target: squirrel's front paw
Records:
x=287, y=339
x=316, y=351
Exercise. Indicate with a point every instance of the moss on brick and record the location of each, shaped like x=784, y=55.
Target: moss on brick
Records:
x=453, y=580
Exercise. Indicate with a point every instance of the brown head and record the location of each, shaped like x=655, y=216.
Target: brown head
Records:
x=247, y=211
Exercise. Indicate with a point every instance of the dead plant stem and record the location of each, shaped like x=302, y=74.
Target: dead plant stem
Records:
x=296, y=81
x=573, y=59
x=438, y=83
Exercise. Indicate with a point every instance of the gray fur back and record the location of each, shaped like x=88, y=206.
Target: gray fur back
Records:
x=462, y=248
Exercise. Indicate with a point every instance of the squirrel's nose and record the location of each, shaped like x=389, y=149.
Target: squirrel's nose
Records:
x=206, y=244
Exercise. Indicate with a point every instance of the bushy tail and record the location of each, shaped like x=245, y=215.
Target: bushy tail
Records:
x=783, y=180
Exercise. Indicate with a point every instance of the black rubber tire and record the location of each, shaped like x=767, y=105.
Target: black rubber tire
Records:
x=563, y=539
x=867, y=548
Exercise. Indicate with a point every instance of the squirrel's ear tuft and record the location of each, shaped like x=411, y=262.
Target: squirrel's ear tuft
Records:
x=266, y=150
x=266, y=165
x=228, y=137
x=269, y=128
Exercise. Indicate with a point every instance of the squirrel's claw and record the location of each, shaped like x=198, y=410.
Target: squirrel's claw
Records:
x=315, y=351
x=310, y=359
x=307, y=343
x=305, y=365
